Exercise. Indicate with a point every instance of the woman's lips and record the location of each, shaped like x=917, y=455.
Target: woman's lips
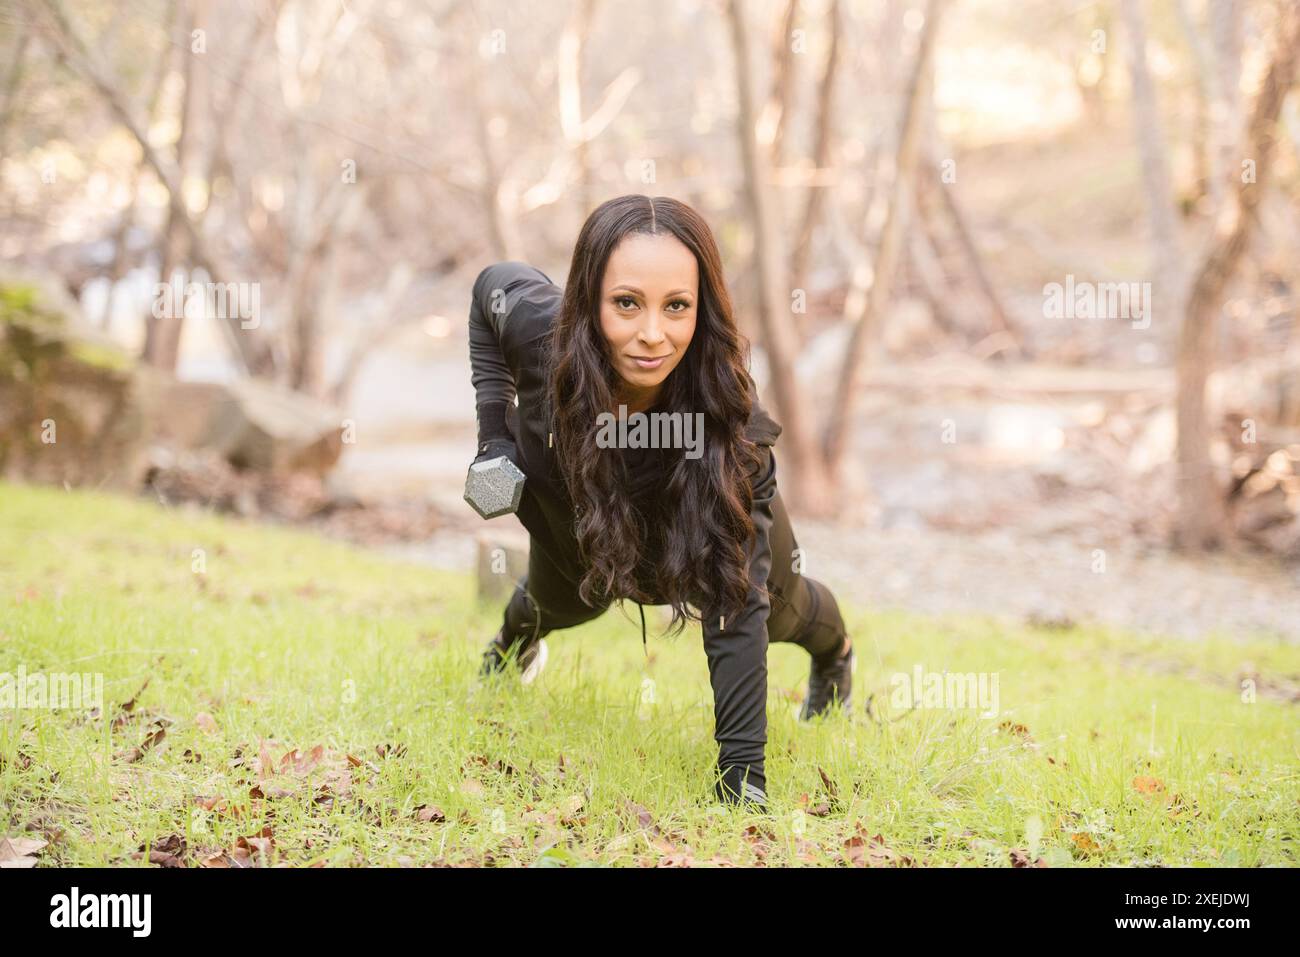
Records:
x=645, y=363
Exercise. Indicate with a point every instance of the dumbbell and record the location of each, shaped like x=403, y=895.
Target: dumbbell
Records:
x=494, y=487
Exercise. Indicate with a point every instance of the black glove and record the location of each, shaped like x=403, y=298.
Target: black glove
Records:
x=494, y=447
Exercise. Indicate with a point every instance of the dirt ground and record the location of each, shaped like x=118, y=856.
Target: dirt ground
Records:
x=1004, y=574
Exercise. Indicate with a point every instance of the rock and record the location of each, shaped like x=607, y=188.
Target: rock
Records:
x=71, y=405
x=277, y=430
x=253, y=425
x=75, y=408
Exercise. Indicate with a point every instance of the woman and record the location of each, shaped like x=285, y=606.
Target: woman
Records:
x=644, y=324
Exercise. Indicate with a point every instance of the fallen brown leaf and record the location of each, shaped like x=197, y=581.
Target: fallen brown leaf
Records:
x=1144, y=784
x=19, y=852
x=430, y=814
x=1084, y=844
x=167, y=852
x=1021, y=858
x=258, y=846
x=1017, y=729
x=864, y=850
x=151, y=741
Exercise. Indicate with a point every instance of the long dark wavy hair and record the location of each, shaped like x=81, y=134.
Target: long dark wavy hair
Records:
x=697, y=522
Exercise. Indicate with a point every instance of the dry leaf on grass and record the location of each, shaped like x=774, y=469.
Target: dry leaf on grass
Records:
x=22, y=761
x=1145, y=784
x=19, y=852
x=1016, y=729
x=253, y=851
x=1021, y=858
x=820, y=809
x=870, y=850
x=151, y=741
x=676, y=859
x=167, y=852
x=1084, y=844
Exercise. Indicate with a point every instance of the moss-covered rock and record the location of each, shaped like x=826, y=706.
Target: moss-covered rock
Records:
x=69, y=397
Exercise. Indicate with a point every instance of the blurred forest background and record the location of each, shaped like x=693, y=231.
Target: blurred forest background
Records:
x=903, y=191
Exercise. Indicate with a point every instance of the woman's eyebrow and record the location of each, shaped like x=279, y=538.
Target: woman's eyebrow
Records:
x=675, y=292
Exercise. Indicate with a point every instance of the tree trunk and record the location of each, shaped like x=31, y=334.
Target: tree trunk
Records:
x=499, y=227
x=999, y=318
x=1161, y=213
x=570, y=77
x=777, y=111
x=821, y=154
x=248, y=349
x=864, y=310
x=121, y=236
x=13, y=81
x=925, y=265
x=162, y=341
x=775, y=318
x=1210, y=177
x=1225, y=107
x=1201, y=517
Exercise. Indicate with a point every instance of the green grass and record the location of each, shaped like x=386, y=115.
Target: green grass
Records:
x=287, y=641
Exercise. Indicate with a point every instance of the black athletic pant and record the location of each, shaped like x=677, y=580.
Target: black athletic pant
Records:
x=803, y=610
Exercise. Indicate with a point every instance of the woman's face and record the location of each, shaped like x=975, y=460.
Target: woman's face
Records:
x=648, y=299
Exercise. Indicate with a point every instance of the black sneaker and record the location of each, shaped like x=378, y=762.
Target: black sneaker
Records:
x=528, y=656
x=830, y=682
x=730, y=790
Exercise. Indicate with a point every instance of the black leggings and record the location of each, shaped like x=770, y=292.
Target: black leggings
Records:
x=804, y=611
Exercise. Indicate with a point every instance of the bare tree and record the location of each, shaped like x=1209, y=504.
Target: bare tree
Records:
x=1161, y=213
x=248, y=349
x=117, y=269
x=777, y=111
x=579, y=130
x=821, y=157
x=162, y=341
x=12, y=83
x=573, y=47
x=932, y=189
x=775, y=319
x=1226, y=116
x=866, y=304
x=1201, y=516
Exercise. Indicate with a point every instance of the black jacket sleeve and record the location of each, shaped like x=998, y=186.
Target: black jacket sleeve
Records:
x=737, y=651
x=493, y=364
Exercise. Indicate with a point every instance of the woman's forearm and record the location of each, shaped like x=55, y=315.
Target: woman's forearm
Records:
x=494, y=385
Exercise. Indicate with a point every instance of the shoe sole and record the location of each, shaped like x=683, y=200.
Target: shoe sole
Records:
x=536, y=665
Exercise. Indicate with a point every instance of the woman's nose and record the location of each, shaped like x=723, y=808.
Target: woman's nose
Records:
x=651, y=332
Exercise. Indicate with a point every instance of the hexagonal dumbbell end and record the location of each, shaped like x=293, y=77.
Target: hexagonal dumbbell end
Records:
x=494, y=487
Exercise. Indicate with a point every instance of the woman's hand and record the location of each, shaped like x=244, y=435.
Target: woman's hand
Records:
x=495, y=447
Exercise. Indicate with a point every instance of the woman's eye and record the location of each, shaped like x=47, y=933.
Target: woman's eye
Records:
x=625, y=299
x=680, y=302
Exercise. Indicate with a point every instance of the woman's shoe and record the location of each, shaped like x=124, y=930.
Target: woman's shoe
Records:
x=528, y=655
x=830, y=682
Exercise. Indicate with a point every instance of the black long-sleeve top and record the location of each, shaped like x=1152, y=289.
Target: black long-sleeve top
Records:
x=511, y=311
